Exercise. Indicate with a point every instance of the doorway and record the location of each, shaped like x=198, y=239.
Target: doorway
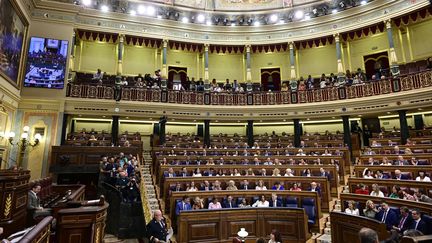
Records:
x=177, y=76
x=376, y=64
x=270, y=79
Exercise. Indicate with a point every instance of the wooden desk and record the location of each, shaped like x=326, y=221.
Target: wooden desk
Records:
x=361, y=199
x=81, y=225
x=296, y=170
x=211, y=226
x=345, y=227
x=304, y=183
x=416, y=149
x=246, y=194
x=413, y=169
x=13, y=200
x=325, y=160
x=427, y=158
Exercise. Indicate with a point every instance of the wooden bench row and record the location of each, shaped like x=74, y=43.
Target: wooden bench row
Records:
x=287, y=182
x=412, y=170
x=296, y=170
x=300, y=196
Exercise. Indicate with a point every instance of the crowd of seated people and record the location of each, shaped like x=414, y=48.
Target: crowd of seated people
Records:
x=149, y=81
x=122, y=172
x=397, y=192
x=398, y=221
x=95, y=138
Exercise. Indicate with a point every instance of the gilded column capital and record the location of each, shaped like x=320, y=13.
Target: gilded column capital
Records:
x=165, y=43
x=248, y=47
x=337, y=37
x=388, y=23
x=206, y=47
x=291, y=45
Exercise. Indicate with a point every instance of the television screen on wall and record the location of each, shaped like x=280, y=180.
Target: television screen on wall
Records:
x=46, y=63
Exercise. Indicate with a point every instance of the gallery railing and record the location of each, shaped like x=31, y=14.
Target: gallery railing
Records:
x=386, y=86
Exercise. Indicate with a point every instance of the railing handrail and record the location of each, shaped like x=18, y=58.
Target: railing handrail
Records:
x=386, y=86
x=143, y=189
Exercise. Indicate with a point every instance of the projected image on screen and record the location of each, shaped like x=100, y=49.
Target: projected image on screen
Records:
x=46, y=63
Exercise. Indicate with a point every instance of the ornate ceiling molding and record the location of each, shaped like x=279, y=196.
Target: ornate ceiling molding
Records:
x=355, y=18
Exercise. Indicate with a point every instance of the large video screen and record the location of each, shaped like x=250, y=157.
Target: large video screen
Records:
x=46, y=63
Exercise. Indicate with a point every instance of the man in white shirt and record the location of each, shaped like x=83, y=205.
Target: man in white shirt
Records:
x=262, y=203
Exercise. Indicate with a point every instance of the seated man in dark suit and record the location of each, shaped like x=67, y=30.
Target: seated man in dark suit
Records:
x=387, y=216
x=275, y=201
x=176, y=188
x=229, y=203
x=206, y=186
x=315, y=188
x=399, y=176
x=33, y=203
x=400, y=161
x=157, y=230
x=405, y=221
x=418, y=223
x=184, y=204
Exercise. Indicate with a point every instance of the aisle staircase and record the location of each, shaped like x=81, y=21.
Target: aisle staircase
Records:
x=148, y=195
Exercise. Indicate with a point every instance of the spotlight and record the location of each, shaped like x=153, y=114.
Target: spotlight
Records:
x=141, y=9
x=299, y=14
x=281, y=21
x=151, y=10
x=273, y=18
x=208, y=22
x=185, y=20
x=364, y=2
x=159, y=16
x=233, y=24
x=225, y=21
x=132, y=12
x=307, y=17
x=200, y=18
x=334, y=11
x=104, y=8
x=315, y=11
x=249, y=21
x=257, y=23
x=86, y=2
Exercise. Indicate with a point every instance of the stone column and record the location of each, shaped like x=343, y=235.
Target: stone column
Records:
x=404, y=132
x=115, y=130
x=293, y=75
x=207, y=132
x=120, y=54
x=164, y=71
x=248, y=69
x=250, y=133
x=394, y=67
x=297, y=132
x=206, y=65
x=340, y=68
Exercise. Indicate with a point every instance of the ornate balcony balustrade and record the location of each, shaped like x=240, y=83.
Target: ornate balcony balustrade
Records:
x=387, y=86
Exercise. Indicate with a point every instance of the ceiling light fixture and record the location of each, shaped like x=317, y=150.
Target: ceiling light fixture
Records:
x=132, y=12
x=208, y=22
x=151, y=10
x=185, y=20
x=141, y=9
x=104, y=8
x=274, y=18
x=299, y=14
x=86, y=2
x=307, y=17
x=233, y=24
x=334, y=11
x=257, y=23
x=201, y=18
x=364, y=2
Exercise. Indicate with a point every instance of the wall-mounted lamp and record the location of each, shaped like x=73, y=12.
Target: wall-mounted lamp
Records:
x=23, y=142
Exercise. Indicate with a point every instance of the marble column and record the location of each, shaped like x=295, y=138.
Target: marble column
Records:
x=248, y=69
x=394, y=67
x=72, y=52
x=120, y=54
x=293, y=75
x=206, y=66
x=404, y=132
x=340, y=68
